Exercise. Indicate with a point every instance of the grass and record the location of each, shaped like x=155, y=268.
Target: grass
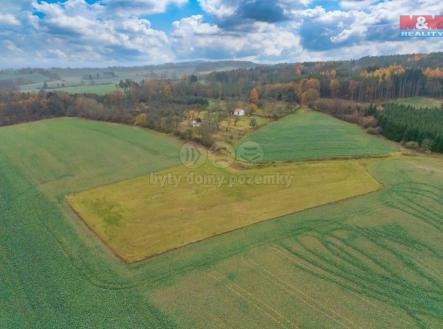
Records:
x=371, y=262
x=31, y=78
x=313, y=135
x=243, y=123
x=89, y=89
x=375, y=261
x=420, y=102
x=144, y=217
x=50, y=265
x=71, y=153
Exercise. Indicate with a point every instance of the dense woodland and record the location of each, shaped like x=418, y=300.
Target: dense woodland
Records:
x=415, y=127
x=343, y=89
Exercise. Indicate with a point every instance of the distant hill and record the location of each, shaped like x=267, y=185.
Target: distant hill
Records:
x=34, y=79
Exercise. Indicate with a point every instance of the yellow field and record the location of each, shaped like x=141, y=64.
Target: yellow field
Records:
x=146, y=216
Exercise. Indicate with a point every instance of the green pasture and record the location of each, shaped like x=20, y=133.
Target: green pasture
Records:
x=89, y=89
x=311, y=135
x=375, y=261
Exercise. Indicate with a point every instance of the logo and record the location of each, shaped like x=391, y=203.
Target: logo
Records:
x=250, y=152
x=193, y=156
x=421, y=26
x=223, y=159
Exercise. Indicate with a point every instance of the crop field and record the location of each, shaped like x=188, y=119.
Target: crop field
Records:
x=420, y=102
x=312, y=135
x=29, y=77
x=89, y=89
x=60, y=153
x=371, y=262
x=374, y=261
x=149, y=215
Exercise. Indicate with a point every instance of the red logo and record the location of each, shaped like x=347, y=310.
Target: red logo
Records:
x=421, y=22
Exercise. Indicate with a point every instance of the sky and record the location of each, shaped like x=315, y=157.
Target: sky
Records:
x=91, y=33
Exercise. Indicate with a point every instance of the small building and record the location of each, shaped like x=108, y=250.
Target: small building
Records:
x=196, y=122
x=239, y=112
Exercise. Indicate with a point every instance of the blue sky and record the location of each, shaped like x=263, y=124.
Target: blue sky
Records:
x=81, y=33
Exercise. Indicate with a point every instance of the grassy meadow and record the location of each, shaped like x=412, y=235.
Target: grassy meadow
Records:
x=375, y=261
x=89, y=89
x=309, y=135
x=149, y=215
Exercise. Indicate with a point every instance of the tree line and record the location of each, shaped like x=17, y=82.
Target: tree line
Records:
x=416, y=127
x=337, y=88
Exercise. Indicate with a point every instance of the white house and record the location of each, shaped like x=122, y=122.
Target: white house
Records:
x=239, y=112
x=196, y=122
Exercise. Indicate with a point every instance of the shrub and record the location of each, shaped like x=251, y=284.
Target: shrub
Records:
x=374, y=130
x=411, y=145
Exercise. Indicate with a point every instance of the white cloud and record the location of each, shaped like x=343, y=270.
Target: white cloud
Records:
x=80, y=27
x=10, y=46
x=360, y=20
x=9, y=19
x=219, y=8
x=194, y=38
x=140, y=7
x=57, y=53
x=352, y=4
x=111, y=32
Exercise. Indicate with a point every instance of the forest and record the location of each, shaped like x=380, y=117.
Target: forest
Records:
x=418, y=127
x=343, y=89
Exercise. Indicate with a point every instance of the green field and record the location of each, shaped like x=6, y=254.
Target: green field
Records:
x=89, y=89
x=420, y=102
x=29, y=77
x=312, y=135
x=374, y=261
x=149, y=215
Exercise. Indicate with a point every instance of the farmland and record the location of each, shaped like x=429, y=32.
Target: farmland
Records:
x=375, y=261
x=59, y=152
x=311, y=135
x=144, y=216
x=371, y=262
x=100, y=89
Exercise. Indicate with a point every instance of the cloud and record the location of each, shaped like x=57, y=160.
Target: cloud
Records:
x=8, y=19
x=81, y=27
x=57, y=53
x=140, y=7
x=352, y=4
x=219, y=8
x=11, y=47
x=194, y=38
x=352, y=25
x=229, y=12
x=113, y=32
